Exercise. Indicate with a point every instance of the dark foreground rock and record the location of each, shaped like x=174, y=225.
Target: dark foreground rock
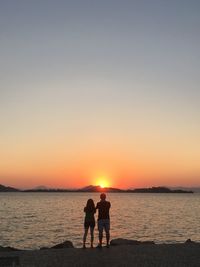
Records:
x=189, y=241
x=7, y=249
x=160, y=255
x=122, y=242
x=65, y=244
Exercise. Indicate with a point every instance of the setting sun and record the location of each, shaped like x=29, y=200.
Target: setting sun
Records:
x=102, y=182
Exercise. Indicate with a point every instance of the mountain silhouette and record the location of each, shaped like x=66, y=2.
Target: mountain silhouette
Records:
x=7, y=189
x=98, y=188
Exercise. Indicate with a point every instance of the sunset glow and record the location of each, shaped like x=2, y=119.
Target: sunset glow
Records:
x=102, y=182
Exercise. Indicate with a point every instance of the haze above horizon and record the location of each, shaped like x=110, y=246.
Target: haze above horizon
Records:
x=100, y=92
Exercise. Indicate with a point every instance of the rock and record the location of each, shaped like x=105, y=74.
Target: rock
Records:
x=189, y=241
x=122, y=241
x=66, y=244
x=5, y=249
x=148, y=243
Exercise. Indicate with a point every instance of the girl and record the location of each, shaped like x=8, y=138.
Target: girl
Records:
x=89, y=221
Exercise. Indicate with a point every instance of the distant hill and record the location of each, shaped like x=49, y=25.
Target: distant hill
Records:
x=97, y=188
x=7, y=189
x=158, y=189
x=50, y=190
x=194, y=189
x=40, y=187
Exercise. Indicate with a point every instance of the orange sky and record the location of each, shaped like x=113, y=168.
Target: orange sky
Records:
x=76, y=164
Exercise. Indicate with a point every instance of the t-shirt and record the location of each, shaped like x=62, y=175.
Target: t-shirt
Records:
x=103, y=207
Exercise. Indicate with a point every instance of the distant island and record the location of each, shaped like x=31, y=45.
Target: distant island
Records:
x=97, y=189
x=8, y=189
x=158, y=189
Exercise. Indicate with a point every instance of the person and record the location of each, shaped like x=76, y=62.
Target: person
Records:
x=89, y=221
x=103, y=219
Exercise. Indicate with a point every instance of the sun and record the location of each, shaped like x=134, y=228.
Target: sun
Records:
x=102, y=182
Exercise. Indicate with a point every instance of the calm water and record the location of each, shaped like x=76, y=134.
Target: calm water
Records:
x=33, y=220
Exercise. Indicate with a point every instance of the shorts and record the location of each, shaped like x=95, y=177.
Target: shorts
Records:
x=104, y=224
x=90, y=224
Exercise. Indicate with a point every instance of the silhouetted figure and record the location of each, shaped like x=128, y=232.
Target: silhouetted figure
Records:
x=103, y=219
x=89, y=221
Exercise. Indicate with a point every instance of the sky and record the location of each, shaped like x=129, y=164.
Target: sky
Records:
x=99, y=92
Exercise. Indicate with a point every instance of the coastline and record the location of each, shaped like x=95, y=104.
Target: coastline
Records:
x=98, y=189
x=138, y=255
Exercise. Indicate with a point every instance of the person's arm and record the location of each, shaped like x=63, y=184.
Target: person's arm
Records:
x=97, y=206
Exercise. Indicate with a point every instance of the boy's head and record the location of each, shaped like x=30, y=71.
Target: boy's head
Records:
x=103, y=196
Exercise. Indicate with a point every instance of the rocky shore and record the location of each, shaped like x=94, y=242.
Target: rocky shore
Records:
x=122, y=252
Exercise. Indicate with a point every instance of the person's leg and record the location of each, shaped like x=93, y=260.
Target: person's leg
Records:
x=92, y=235
x=85, y=236
x=100, y=237
x=107, y=229
x=107, y=237
x=100, y=228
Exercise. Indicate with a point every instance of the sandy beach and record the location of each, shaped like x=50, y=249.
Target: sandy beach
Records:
x=151, y=255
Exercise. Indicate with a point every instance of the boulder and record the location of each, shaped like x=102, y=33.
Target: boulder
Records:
x=189, y=241
x=5, y=249
x=122, y=241
x=66, y=244
x=148, y=243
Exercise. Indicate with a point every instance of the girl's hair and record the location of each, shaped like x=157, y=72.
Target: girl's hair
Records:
x=90, y=205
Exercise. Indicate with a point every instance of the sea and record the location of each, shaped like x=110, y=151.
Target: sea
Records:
x=35, y=220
